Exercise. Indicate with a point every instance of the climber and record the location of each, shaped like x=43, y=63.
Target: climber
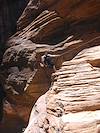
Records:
x=47, y=61
x=2, y=97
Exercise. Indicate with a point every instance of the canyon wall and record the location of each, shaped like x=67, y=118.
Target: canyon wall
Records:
x=64, y=28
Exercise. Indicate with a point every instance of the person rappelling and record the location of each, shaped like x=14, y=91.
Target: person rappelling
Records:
x=47, y=61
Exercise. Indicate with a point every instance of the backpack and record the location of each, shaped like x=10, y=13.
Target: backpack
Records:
x=48, y=61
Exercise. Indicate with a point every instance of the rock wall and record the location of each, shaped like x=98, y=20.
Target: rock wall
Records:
x=72, y=104
x=60, y=27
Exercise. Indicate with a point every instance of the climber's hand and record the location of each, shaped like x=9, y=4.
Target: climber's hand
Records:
x=41, y=65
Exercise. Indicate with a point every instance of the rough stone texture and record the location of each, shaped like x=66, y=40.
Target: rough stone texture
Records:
x=41, y=30
x=69, y=10
x=54, y=20
x=72, y=105
x=61, y=27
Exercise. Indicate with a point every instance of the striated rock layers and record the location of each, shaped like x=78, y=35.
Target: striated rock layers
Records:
x=63, y=27
x=72, y=104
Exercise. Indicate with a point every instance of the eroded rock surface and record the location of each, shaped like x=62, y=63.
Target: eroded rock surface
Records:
x=72, y=105
x=60, y=27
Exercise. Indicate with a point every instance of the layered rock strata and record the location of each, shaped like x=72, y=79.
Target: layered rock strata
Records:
x=61, y=27
x=73, y=102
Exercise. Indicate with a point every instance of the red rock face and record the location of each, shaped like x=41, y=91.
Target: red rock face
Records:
x=64, y=27
x=68, y=10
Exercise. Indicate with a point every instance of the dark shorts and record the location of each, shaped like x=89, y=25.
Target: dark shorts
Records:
x=50, y=66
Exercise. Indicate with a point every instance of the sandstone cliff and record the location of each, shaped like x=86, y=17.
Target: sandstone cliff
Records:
x=71, y=100
x=72, y=103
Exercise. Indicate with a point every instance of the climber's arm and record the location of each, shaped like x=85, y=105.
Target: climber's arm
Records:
x=53, y=55
x=42, y=61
